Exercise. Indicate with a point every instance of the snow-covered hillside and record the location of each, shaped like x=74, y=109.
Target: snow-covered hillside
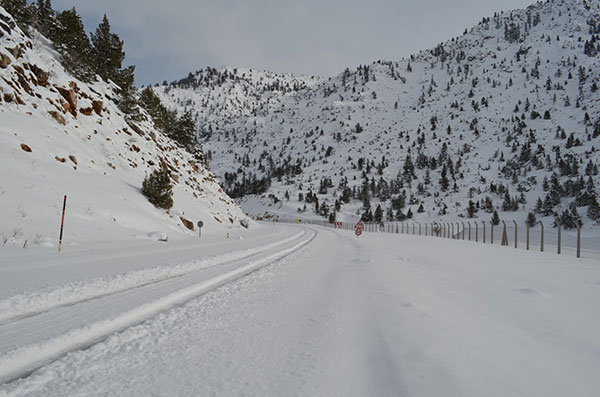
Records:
x=488, y=117
x=60, y=136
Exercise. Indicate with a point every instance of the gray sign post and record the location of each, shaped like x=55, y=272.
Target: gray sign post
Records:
x=200, y=224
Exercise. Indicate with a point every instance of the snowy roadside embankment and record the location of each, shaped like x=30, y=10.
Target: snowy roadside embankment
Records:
x=85, y=323
x=26, y=304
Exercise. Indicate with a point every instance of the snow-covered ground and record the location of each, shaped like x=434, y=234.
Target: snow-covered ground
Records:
x=319, y=312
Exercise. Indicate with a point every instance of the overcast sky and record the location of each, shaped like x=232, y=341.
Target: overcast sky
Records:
x=166, y=39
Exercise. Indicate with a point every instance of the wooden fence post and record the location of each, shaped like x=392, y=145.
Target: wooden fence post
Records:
x=419, y=229
x=469, y=223
x=527, y=231
x=515, y=223
x=491, y=232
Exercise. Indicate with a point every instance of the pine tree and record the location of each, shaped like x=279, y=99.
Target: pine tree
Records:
x=107, y=51
x=158, y=190
x=444, y=179
x=471, y=209
x=44, y=15
x=408, y=170
x=593, y=211
x=22, y=12
x=507, y=203
x=332, y=217
x=548, y=206
x=531, y=220
x=73, y=44
x=151, y=102
x=378, y=216
x=495, y=218
x=128, y=104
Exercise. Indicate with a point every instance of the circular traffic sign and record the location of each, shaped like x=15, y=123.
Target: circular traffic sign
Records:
x=358, y=232
x=200, y=224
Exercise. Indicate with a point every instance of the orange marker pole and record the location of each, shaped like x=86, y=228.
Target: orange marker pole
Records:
x=62, y=224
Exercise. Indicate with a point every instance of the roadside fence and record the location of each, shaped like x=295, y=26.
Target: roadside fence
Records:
x=510, y=234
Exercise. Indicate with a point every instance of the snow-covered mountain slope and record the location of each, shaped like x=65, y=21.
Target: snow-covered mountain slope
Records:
x=499, y=109
x=60, y=136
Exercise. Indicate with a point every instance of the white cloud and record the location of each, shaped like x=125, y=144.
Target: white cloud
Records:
x=167, y=39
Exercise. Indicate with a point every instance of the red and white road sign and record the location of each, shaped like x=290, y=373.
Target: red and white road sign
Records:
x=359, y=228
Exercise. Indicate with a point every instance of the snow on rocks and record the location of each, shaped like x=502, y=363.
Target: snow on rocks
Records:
x=61, y=136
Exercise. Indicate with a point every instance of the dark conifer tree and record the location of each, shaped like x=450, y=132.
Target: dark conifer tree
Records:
x=378, y=216
x=531, y=220
x=495, y=218
x=107, y=51
x=73, y=44
x=471, y=209
x=157, y=188
x=444, y=183
x=22, y=12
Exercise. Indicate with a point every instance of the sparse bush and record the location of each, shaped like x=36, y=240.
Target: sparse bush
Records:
x=158, y=190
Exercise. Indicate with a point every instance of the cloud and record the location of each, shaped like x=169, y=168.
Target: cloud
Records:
x=167, y=39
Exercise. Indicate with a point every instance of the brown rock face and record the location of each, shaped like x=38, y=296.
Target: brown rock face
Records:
x=86, y=111
x=25, y=148
x=57, y=116
x=186, y=223
x=24, y=84
x=41, y=76
x=97, y=106
x=4, y=61
x=69, y=95
x=16, y=51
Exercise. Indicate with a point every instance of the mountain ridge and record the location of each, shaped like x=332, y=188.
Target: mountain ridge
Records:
x=520, y=81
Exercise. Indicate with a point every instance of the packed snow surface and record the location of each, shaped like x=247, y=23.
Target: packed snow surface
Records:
x=325, y=313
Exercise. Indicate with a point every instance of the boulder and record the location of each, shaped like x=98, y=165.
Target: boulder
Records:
x=41, y=76
x=97, y=106
x=4, y=60
x=186, y=223
x=70, y=97
x=57, y=116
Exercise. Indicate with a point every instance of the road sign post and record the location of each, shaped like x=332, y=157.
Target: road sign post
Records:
x=200, y=224
x=62, y=224
x=359, y=228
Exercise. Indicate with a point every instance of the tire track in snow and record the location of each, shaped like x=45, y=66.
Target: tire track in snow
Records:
x=20, y=306
x=22, y=362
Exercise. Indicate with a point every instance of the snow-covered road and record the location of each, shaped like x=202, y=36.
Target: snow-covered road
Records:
x=380, y=315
